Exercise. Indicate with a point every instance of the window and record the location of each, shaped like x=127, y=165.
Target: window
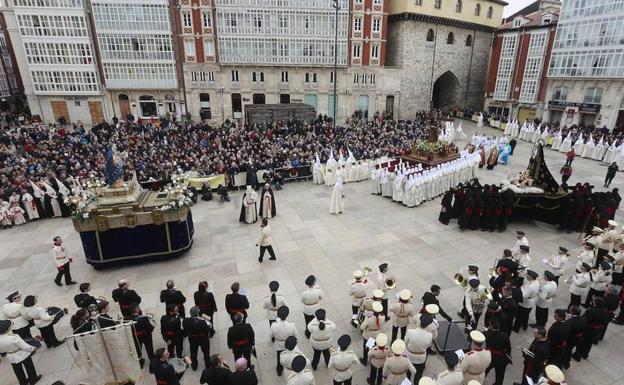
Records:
x=237, y=106
x=517, y=22
x=478, y=10
x=560, y=94
x=356, y=51
x=187, y=21
x=331, y=77
x=209, y=48
x=437, y=4
x=234, y=74
x=377, y=2
x=206, y=20
x=376, y=24
x=357, y=24
x=258, y=21
x=458, y=6
x=358, y=1
x=469, y=41
x=450, y=39
x=204, y=106
x=375, y=51
x=430, y=35
x=284, y=76
x=593, y=95
x=284, y=98
x=490, y=12
x=310, y=77
x=257, y=77
x=189, y=47
x=418, y=2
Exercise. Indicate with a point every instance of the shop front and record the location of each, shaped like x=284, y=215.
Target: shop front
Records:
x=568, y=113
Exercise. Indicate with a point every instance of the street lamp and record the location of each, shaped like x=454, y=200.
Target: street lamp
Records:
x=336, y=6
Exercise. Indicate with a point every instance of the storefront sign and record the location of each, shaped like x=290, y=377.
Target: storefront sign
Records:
x=584, y=108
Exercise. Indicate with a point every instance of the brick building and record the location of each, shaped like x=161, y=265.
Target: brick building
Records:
x=516, y=82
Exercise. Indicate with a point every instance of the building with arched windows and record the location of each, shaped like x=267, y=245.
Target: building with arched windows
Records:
x=586, y=70
x=440, y=47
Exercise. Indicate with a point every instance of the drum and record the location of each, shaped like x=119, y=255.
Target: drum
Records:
x=179, y=366
x=57, y=312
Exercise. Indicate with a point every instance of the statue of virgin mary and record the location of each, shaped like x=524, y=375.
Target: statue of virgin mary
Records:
x=114, y=167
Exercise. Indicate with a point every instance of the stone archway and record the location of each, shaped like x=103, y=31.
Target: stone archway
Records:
x=446, y=91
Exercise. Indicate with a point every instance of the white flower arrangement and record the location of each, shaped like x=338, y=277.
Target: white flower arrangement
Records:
x=178, y=195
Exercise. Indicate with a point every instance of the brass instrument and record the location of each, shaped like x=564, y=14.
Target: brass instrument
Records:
x=460, y=280
x=526, y=351
x=389, y=283
x=367, y=270
x=492, y=273
x=488, y=294
x=151, y=319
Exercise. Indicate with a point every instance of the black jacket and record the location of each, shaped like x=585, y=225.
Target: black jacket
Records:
x=235, y=303
x=215, y=376
x=498, y=344
x=125, y=297
x=83, y=300
x=558, y=335
x=170, y=327
x=428, y=299
x=173, y=296
x=205, y=301
x=577, y=325
x=196, y=328
x=163, y=372
x=241, y=336
x=247, y=377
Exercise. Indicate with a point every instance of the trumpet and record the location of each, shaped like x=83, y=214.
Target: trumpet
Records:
x=526, y=352
x=460, y=280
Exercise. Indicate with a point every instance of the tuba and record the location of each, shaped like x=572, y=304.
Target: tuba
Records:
x=389, y=283
x=460, y=280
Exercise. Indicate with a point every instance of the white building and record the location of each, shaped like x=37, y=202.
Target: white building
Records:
x=54, y=51
x=586, y=74
x=137, y=56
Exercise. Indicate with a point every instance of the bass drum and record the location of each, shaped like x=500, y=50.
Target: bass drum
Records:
x=179, y=366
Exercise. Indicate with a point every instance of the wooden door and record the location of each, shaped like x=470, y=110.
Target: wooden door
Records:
x=59, y=108
x=124, y=109
x=95, y=109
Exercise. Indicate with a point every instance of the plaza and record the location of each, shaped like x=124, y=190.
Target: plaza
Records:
x=308, y=240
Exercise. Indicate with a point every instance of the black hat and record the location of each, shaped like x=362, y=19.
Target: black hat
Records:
x=519, y=232
x=298, y=363
x=563, y=249
x=320, y=314
x=493, y=305
x=383, y=267
x=344, y=341
x=12, y=296
x=273, y=285
x=290, y=343
x=586, y=266
x=84, y=286
x=425, y=320
x=532, y=274
x=524, y=247
x=549, y=275
x=5, y=325
x=473, y=268
x=474, y=283
x=283, y=312
x=451, y=359
x=310, y=280
x=30, y=301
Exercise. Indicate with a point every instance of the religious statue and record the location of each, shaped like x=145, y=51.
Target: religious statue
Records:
x=115, y=167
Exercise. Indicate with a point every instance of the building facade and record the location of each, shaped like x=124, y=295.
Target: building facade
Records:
x=11, y=88
x=586, y=71
x=282, y=51
x=440, y=47
x=53, y=46
x=516, y=84
x=136, y=52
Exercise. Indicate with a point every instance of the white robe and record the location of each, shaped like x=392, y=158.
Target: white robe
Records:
x=566, y=145
x=336, y=205
x=30, y=206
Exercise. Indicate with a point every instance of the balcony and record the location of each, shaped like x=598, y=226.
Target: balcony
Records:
x=259, y=86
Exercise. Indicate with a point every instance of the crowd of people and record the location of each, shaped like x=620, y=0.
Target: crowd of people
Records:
x=41, y=165
x=397, y=336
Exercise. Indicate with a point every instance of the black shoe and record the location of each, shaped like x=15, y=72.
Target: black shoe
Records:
x=533, y=325
x=460, y=314
x=431, y=351
x=576, y=358
x=618, y=322
x=194, y=367
x=314, y=368
x=279, y=373
x=142, y=362
x=33, y=382
x=260, y=260
x=58, y=283
x=369, y=381
x=272, y=259
x=71, y=283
